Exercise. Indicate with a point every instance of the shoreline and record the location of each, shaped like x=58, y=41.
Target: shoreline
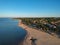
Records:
x=42, y=37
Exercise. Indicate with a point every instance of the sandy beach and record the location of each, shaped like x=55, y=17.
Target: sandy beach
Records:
x=42, y=37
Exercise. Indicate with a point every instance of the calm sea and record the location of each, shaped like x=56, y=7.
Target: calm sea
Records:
x=10, y=32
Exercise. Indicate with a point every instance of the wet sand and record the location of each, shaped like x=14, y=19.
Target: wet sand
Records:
x=42, y=37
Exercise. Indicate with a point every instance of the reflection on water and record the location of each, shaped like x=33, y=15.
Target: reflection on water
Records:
x=10, y=33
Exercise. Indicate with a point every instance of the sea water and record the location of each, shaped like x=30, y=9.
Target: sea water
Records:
x=10, y=32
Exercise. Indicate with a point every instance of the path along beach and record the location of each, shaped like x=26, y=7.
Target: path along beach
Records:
x=42, y=37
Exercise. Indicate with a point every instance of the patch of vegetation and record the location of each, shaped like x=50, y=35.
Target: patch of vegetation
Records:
x=50, y=25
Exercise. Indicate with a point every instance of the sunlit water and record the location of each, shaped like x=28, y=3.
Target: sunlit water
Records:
x=10, y=32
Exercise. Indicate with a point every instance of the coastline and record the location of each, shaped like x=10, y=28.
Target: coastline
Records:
x=42, y=37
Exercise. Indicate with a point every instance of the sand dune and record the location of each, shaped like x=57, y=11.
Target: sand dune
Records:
x=42, y=37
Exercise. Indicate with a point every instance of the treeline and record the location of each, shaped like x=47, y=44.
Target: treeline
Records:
x=50, y=25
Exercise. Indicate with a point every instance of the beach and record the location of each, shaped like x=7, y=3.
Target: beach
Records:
x=43, y=38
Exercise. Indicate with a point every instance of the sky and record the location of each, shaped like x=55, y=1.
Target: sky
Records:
x=29, y=8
